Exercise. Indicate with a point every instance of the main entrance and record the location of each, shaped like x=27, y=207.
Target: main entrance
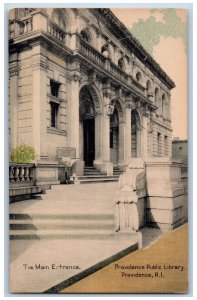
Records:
x=89, y=141
x=87, y=126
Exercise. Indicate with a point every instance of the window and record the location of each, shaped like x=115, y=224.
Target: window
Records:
x=54, y=88
x=85, y=35
x=54, y=114
x=121, y=63
x=163, y=105
x=158, y=144
x=105, y=50
x=166, y=145
x=138, y=76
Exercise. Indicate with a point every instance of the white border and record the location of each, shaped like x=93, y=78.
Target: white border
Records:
x=3, y=172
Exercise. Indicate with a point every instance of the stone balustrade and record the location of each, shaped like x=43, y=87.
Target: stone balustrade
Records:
x=22, y=173
x=20, y=27
x=90, y=52
x=37, y=20
x=26, y=25
x=56, y=31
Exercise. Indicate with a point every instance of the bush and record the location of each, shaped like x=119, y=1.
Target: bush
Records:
x=23, y=154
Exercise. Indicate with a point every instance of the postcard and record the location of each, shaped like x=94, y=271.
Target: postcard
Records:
x=98, y=150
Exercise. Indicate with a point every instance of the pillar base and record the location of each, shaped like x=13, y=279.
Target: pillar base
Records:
x=104, y=167
x=78, y=167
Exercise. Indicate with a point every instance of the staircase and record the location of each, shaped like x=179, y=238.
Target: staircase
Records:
x=66, y=212
x=117, y=171
x=91, y=175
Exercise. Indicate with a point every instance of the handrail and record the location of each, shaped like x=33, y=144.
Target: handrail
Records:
x=21, y=173
x=56, y=31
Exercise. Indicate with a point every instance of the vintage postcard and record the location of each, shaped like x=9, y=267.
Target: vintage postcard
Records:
x=98, y=150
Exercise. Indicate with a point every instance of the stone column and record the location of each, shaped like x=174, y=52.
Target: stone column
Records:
x=144, y=135
x=122, y=143
x=128, y=109
x=74, y=113
x=98, y=136
x=105, y=131
x=13, y=100
x=39, y=99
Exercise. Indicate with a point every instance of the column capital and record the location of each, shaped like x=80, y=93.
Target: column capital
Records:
x=145, y=110
x=106, y=89
x=109, y=109
x=75, y=76
x=98, y=110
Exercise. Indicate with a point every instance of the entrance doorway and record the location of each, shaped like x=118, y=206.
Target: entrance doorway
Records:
x=89, y=141
x=87, y=126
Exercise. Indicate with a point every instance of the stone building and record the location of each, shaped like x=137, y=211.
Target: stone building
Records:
x=82, y=88
x=84, y=93
x=180, y=149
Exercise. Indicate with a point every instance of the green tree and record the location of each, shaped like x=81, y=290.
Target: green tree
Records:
x=149, y=31
x=23, y=154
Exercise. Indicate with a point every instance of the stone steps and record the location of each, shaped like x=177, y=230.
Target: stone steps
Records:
x=60, y=234
x=95, y=179
x=92, y=175
x=61, y=226
x=66, y=212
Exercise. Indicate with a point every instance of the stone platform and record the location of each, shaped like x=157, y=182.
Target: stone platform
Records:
x=73, y=225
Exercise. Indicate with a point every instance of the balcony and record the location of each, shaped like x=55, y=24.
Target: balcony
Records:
x=38, y=22
x=90, y=52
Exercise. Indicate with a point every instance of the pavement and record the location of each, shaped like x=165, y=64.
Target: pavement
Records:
x=48, y=266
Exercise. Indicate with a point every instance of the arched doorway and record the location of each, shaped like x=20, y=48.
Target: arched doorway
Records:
x=135, y=134
x=87, y=126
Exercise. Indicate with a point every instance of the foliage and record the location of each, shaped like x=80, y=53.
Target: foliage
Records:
x=149, y=31
x=23, y=154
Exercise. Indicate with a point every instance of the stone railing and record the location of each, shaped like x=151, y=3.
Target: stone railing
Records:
x=118, y=72
x=39, y=21
x=23, y=174
x=20, y=27
x=90, y=52
x=56, y=31
x=26, y=25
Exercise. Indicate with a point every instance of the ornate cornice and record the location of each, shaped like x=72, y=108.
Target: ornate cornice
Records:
x=120, y=31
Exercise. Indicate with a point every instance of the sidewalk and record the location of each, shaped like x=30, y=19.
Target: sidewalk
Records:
x=170, y=250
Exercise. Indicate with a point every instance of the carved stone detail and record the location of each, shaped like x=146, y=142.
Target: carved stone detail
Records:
x=109, y=109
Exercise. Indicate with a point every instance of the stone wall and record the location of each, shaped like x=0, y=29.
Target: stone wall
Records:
x=166, y=194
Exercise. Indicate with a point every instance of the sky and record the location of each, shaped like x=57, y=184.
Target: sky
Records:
x=164, y=34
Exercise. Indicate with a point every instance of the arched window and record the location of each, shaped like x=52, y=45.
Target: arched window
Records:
x=105, y=50
x=85, y=35
x=138, y=76
x=121, y=63
x=149, y=92
x=156, y=96
x=163, y=104
x=148, y=86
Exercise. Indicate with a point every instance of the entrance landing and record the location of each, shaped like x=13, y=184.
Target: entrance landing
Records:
x=73, y=226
